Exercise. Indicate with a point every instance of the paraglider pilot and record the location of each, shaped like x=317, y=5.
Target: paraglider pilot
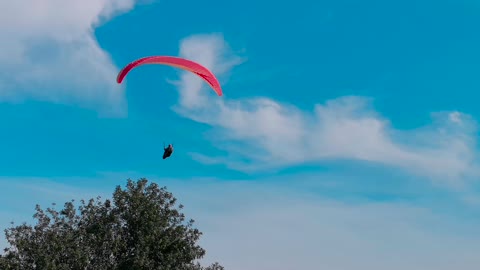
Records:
x=167, y=151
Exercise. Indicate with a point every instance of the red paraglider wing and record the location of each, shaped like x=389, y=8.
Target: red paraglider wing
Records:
x=178, y=62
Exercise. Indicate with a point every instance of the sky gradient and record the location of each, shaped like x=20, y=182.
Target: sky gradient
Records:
x=346, y=137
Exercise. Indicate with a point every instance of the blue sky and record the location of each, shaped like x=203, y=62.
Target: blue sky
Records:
x=346, y=138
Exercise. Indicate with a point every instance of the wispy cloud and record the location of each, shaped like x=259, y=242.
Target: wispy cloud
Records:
x=213, y=53
x=263, y=134
x=266, y=226
x=49, y=52
x=292, y=231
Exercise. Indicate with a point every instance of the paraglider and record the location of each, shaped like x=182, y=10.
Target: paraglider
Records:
x=167, y=151
x=178, y=62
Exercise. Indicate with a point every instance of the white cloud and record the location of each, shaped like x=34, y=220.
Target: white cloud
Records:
x=267, y=226
x=286, y=231
x=213, y=53
x=271, y=135
x=49, y=52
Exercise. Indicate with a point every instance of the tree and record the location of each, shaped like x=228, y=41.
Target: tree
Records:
x=141, y=228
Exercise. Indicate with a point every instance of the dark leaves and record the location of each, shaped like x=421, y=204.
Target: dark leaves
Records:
x=140, y=228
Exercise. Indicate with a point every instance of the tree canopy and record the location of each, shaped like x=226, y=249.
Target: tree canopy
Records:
x=142, y=227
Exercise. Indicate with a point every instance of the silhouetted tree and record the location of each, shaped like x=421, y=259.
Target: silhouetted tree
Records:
x=141, y=228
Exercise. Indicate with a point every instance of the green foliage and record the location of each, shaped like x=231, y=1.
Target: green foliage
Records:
x=141, y=228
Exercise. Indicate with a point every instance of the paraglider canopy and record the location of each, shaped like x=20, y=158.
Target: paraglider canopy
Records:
x=178, y=62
